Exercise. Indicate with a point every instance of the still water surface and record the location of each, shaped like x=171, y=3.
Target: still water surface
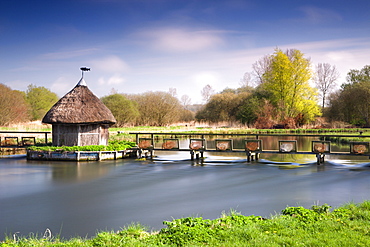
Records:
x=81, y=198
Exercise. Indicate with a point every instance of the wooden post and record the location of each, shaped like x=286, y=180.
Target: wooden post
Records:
x=320, y=157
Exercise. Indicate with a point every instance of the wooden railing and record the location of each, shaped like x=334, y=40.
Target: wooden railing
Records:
x=21, y=138
x=252, y=144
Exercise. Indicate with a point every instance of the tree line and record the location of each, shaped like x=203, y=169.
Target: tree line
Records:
x=283, y=90
x=19, y=106
x=282, y=96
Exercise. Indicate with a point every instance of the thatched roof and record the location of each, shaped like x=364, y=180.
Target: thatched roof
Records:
x=78, y=106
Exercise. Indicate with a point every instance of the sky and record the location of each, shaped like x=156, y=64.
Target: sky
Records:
x=135, y=46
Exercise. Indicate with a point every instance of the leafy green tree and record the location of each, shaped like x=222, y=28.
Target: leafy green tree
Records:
x=352, y=103
x=40, y=100
x=248, y=111
x=357, y=76
x=124, y=110
x=13, y=107
x=286, y=82
x=222, y=107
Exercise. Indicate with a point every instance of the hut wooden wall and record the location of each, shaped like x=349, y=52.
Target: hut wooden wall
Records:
x=80, y=134
x=104, y=134
x=65, y=135
x=89, y=135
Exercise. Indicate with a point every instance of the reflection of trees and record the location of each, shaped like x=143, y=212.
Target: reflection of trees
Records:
x=77, y=171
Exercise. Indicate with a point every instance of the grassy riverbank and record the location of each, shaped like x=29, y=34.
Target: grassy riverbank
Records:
x=295, y=226
x=123, y=133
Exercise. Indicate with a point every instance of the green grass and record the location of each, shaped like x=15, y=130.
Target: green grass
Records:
x=114, y=145
x=237, y=130
x=347, y=140
x=295, y=226
x=123, y=133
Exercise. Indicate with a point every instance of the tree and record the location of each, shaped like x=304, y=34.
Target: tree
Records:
x=186, y=101
x=222, y=107
x=186, y=115
x=13, y=106
x=286, y=84
x=357, y=76
x=40, y=100
x=207, y=92
x=260, y=68
x=249, y=109
x=247, y=80
x=352, y=103
x=325, y=79
x=157, y=108
x=172, y=91
x=124, y=110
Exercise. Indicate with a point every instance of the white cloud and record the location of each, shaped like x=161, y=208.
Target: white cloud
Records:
x=116, y=79
x=180, y=40
x=206, y=77
x=110, y=64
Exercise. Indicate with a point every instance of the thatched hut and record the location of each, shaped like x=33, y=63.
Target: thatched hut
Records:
x=79, y=118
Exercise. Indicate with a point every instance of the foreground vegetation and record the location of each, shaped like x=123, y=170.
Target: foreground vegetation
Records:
x=296, y=226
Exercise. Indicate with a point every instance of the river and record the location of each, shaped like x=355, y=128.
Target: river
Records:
x=79, y=199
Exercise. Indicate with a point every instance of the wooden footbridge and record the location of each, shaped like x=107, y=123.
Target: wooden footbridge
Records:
x=253, y=146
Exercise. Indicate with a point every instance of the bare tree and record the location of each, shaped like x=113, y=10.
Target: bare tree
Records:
x=325, y=79
x=207, y=92
x=247, y=80
x=172, y=91
x=185, y=100
x=261, y=67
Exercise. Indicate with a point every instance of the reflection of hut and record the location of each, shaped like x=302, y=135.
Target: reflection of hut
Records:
x=79, y=118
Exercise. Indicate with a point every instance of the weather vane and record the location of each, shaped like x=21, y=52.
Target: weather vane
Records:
x=83, y=69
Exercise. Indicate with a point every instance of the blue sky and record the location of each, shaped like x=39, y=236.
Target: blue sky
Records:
x=136, y=46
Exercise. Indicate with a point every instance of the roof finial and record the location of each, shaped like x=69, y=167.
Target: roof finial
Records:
x=82, y=81
x=84, y=69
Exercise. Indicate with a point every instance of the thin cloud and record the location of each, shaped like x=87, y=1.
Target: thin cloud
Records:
x=68, y=54
x=110, y=64
x=180, y=40
x=61, y=87
x=317, y=15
